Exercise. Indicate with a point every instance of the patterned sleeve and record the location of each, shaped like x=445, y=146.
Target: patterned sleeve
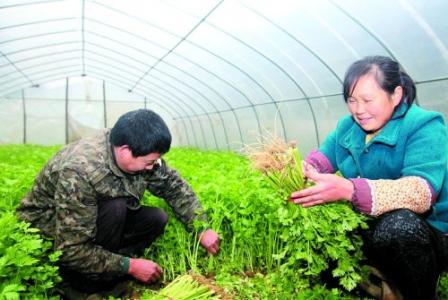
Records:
x=167, y=184
x=376, y=197
x=421, y=176
x=75, y=227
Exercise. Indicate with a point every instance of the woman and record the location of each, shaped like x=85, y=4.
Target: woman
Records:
x=392, y=155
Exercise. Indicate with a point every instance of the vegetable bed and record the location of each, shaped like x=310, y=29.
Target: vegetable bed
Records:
x=270, y=249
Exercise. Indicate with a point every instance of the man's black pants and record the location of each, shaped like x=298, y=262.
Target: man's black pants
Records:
x=119, y=230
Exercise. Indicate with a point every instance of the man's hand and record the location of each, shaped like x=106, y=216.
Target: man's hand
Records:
x=144, y=270
x=210, y=241
x=327, y=188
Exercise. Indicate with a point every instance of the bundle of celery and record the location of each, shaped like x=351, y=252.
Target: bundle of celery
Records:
x=280, y=163
x=184, y=287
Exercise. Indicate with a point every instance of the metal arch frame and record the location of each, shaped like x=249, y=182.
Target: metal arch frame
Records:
x=114, y=82
x=313, y=53
x=285, y=73
x=200, y=106
x=94, y=100
x=369, y=32
x=32, y=3
x=209, y=87
x=184, y=126
x=145, y=92
x=272, y=62
x=164, y=97
x=61, y=60
x=192, y=99
x=100, y=73
x=178, y=43
x=83, y=40
x=189, y=86
x=44, y=55
x=100, y=56
x=178, y=90
x=13, y=63
x=299, y=99
x=178, y=69
x=31, y=74
x=28, y=49
x=20, y=86
x=174, y=118
x=182, y=102
x=43, y=46
x=66, y=109
x=83, y=64
x=194, y=44
x=40, y=65
x=24, y=116
x=121, y=12
x=221, y=110
x=18, y=70
x=431, y=80
x=53, y=77
x=205, y=112
x=246, y=74
x=104, y=104
x=363, y=27
x=151, y=42
x=37, y=22
x=37, y=35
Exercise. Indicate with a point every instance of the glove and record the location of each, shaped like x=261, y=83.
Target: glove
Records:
x=144, y=270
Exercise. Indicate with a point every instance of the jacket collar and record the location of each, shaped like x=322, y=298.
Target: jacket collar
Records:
x=111, y=157
x=355, y=136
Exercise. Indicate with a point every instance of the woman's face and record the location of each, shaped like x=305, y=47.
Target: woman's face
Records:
x=370, y=105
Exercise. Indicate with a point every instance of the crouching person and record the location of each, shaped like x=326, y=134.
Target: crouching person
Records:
x=87, y=199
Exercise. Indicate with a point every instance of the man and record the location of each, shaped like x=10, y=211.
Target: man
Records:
x=87, y=198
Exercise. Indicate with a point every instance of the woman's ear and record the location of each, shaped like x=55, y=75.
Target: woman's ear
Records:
x=397, y=95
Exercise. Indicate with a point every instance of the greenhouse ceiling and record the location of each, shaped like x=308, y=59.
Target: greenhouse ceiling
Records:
x=222, y=73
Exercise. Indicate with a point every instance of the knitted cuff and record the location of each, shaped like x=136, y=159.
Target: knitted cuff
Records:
x=362, y=197
x=125, y=265
x=320, y=162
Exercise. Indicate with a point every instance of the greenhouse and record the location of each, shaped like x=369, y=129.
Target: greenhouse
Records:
x=223, y=149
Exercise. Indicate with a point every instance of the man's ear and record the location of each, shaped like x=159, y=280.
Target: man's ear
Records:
x=123, y=151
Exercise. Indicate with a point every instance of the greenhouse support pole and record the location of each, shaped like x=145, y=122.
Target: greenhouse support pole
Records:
x=24, y=116
x=104, y=104
x=66, y=110
x=145, y=103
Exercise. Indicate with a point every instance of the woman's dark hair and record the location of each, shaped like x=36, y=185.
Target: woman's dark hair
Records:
x=388, y=74
x=143, y=131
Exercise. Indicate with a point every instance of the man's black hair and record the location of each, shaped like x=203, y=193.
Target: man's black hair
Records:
x=143, y=131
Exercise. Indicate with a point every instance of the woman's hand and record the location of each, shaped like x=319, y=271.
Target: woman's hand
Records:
x=307, y=167
x=327, y=188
